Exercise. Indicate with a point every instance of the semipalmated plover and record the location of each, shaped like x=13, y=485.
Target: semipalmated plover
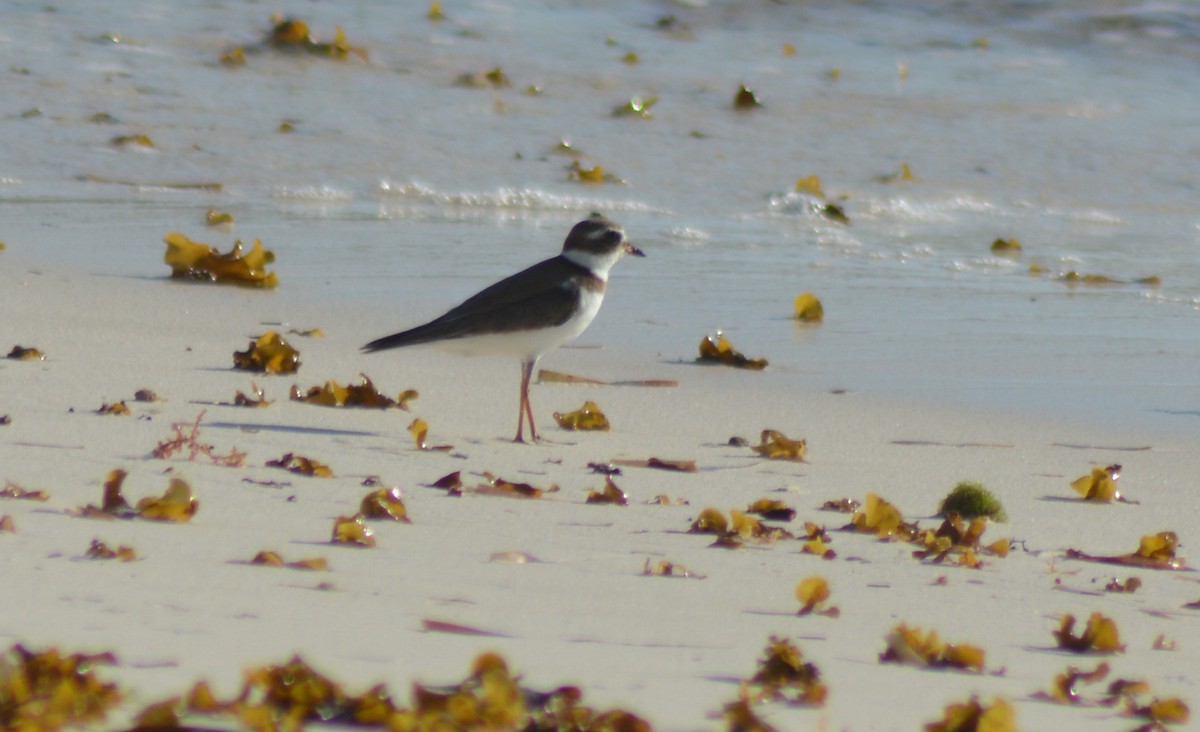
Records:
x=531, y=312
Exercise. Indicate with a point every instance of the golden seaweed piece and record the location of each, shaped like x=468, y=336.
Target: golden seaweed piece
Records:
x=451, y=482
x=273, y=559
x=904, y=175
x=813, y=592
x=100, y=550
x=213, y=217
x=146, y=395
x=740, y=717
x=353, y=530
x=419, y=428
x=177, y=504
x=610, y=494
x=835, y=213
x=1162, y=644
x=435, y=13
x=301, y=465
x=312, y=564
x=1155, y=551
x=775, y=445
x=113, y=502
x=269, y=353
x=495, y=78
x=1074, y=278
x=841, y=505
x=233, y=57
x=784, y=675
x=1099, y=486
x=636, y=107
x=912, y=646
x=405, y=397
x=7, y=525
x=240, y=399
x=497, y=486
x=961, y=538
x=882, y=519
x=974, y=717
x=1130, y=585
x=772, y=509
x=12, y=490
x=138, y=140
x=384, y=503
x=710, y=521
x=666, y=568
x=268, y=558
x=294, y=696
x=21, y=353
x=587, y=417
x=818, y=547
x=1100, y=635
x=290, y=34
x=512, y=557
x=1063, y=690
x=1007, y=247
x=749, y=528
x=1158, y=547
x=808, y=308
x=745, y=98
x=195, y=448
x=594, y=174
x=810, y=185
x=1160, y=712
x=364, y=394
x=194, y=260
x=718, y=349
x=51, y=690
x=117, y=407
x=290, y=694
x=662, y=499
x=307, y=332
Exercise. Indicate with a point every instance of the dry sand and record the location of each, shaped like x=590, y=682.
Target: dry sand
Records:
x=668, y=649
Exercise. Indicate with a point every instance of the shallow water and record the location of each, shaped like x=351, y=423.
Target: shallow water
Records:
x=1070, y=126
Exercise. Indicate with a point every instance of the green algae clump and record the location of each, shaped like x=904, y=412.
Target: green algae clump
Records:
x=970, y=499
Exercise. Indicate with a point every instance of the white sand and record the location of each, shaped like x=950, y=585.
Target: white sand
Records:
x=667, y=649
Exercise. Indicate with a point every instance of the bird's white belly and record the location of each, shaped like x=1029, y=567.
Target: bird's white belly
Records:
x=527, y=343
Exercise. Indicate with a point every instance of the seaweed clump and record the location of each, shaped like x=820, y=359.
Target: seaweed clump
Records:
x=970, y=499
x=294, y=694
x=50, y=690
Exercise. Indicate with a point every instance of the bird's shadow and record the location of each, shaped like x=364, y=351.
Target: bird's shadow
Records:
x=290, y=429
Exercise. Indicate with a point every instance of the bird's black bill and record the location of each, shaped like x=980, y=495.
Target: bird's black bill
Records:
x=631, y=249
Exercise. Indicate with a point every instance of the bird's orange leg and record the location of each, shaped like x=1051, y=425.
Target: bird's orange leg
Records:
x=525, y=408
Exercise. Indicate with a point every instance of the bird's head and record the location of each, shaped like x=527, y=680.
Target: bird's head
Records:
x=597, y=243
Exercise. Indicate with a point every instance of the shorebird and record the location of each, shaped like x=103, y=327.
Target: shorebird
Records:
x=532, y=312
